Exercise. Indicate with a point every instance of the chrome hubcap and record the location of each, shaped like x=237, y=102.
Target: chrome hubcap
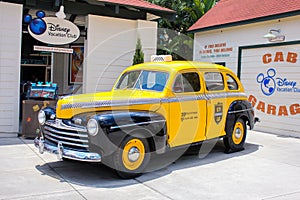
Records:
x=133, y=154
x=238, y=133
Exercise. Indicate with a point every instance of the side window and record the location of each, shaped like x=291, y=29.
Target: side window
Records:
x=231, y=83
x=128, y=79
x=214, y=81
x=178, y=84
x=187, y=82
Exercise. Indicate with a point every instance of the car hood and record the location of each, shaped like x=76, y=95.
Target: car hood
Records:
x=69, y=106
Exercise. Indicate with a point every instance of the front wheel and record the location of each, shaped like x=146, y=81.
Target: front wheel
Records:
x=131, y=158
x=236, y=136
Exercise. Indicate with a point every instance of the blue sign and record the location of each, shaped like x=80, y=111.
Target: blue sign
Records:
x=269, y=83
x=37, y=25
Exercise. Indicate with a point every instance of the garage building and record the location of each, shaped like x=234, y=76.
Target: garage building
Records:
x=260, y=41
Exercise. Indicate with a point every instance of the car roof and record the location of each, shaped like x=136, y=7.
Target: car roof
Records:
x=175, y=66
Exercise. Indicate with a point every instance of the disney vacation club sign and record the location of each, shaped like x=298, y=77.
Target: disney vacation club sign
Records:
x=52, y=30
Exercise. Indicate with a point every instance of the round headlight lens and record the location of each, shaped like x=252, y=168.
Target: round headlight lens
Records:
x=92, y=127
x=42, y=117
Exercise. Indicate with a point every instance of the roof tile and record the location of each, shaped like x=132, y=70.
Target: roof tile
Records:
x=231, y=11
x=138, y=4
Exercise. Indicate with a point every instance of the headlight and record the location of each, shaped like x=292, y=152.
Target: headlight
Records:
x=42, y=117
x=92, y=127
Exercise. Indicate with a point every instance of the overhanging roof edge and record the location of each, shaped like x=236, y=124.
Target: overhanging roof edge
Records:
x=245, y=22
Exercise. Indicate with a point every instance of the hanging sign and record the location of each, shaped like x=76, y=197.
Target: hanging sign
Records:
x=52, y=49
x=52, y=30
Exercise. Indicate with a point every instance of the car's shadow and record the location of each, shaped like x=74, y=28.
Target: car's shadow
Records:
x=99, y=176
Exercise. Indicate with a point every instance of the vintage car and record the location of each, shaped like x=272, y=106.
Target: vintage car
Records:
x=153, y=108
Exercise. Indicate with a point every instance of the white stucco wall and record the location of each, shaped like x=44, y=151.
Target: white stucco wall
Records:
x=10, y=56
x=278, y=110
x=110, y=47
x=244, y=35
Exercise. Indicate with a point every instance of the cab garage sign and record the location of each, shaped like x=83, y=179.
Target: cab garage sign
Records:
x=275, y=80
x=51, y=30
x=270, y=76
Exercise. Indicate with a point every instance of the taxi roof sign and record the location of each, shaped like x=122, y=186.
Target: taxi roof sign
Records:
x=161, y=58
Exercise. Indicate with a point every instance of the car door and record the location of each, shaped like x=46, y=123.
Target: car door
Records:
x=216, y=104
x=187, y=110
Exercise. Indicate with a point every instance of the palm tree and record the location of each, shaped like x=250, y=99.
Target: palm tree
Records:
x=176, y=42
x=198, y=8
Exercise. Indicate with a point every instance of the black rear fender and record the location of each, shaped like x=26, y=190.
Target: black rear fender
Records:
x=240, y=109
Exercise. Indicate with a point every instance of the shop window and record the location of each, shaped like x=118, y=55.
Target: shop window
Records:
x=214, y=81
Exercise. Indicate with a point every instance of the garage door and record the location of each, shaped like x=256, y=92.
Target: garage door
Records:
x=271, y=77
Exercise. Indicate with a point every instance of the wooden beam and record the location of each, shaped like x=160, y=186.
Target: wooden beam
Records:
x=85, y=7
x=72, y=18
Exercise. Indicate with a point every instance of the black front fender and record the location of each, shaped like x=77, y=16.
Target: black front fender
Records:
x=115, y=126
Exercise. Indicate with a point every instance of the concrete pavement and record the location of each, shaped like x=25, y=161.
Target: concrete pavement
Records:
x=268, y=168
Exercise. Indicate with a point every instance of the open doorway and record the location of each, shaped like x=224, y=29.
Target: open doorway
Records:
x=35, y=66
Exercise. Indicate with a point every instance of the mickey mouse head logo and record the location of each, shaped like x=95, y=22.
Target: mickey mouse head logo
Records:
x=37, y=25
x=268, y=84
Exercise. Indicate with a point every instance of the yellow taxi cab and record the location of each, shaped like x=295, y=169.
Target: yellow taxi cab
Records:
x=153, y=108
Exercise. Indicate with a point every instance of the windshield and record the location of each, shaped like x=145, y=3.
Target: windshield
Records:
x=143, y=80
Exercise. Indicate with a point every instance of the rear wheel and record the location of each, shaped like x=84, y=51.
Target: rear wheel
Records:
x=236, y=136
x=131, y=158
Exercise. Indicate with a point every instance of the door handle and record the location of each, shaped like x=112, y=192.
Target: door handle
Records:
x=209, y=101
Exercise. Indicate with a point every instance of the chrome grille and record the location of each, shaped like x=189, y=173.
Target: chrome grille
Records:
x=69, y=135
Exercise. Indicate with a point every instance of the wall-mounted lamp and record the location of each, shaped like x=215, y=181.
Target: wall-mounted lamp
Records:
x=275, y=35
x=61, y=13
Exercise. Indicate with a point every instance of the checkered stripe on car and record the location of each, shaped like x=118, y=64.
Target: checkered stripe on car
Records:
x=225, y=94
x=108, y=103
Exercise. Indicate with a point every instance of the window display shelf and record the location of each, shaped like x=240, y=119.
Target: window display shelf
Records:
x=39, y=60
x=35, y=65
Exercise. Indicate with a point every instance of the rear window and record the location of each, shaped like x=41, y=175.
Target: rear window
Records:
x=214, y=81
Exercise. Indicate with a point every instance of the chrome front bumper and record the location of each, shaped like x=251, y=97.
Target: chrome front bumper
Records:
x=65, y=153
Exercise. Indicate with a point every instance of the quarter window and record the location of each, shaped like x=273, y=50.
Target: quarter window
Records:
x=214, y=81
x=231, y=83
x=187, y=82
